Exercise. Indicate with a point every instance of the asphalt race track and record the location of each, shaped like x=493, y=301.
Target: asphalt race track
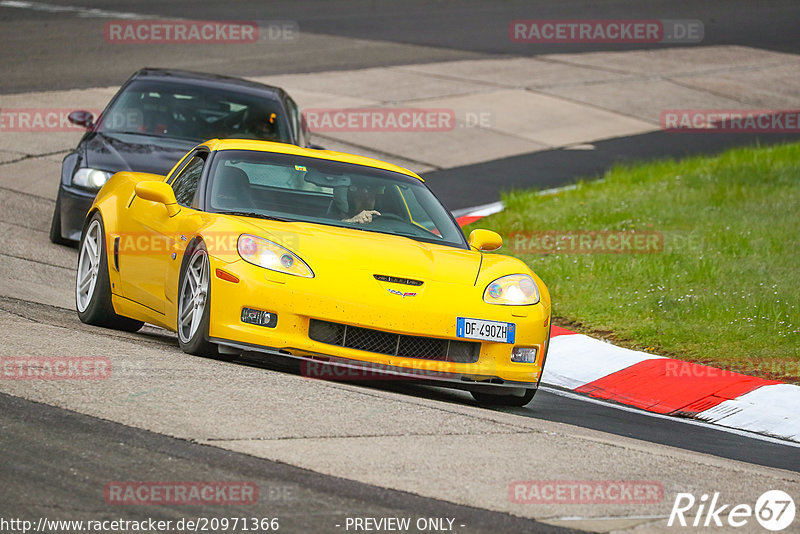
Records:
x=414, y=31
x=322, y=452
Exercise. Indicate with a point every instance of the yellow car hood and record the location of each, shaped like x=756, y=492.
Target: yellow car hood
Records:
x=330, y=247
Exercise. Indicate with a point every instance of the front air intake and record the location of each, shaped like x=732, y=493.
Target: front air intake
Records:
x=405, y=346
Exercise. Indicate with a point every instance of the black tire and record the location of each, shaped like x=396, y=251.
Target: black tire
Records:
x=97, y=308
x=55, y=226
x=489, y=399
x=196, y=342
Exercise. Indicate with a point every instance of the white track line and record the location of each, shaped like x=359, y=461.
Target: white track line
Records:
x=606, y=518
x=743, y=433
x=494, y=207
x=79, y=11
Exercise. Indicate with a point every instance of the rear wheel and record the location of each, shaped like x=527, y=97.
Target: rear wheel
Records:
x=489, y=399
x=92, y=284
x=194, y=304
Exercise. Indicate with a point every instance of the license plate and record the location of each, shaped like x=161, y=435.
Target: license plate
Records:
x=485, y=330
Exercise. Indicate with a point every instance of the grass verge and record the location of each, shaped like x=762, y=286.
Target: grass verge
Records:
x=720, y=284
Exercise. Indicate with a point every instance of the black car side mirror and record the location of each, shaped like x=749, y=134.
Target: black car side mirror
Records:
x=81, y=118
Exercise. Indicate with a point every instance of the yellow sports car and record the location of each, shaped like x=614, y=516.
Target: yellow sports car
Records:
x=334, y=259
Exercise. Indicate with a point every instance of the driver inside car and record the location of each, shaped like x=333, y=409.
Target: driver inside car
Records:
x=355, y=203
x=258, y=124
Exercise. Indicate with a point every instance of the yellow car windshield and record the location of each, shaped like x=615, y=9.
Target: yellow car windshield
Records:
x=298, y=188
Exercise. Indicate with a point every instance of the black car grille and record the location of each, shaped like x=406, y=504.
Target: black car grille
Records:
x=425, y=348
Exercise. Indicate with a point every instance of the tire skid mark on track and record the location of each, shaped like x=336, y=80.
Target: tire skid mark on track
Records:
x=25, y=157
x=17, y=192
x=56, y=317
x=36, y=261
x=25, y=227
x=25, y=210
x=381, y=435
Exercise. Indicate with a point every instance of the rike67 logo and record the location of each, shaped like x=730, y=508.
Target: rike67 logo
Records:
x=774, y=510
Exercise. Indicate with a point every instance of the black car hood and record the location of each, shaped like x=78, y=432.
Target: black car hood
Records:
x=116, y=152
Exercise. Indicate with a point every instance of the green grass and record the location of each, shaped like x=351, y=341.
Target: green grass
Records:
x=724, y=291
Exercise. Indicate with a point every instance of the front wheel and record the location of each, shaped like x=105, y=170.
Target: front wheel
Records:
x=489, y=399
x=194, y=304
x=92, y=284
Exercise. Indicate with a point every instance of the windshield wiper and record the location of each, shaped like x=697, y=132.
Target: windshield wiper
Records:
x=146, y=134
x=252, y=214
x=125, y=132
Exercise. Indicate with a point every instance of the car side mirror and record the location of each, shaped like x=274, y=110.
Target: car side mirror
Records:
x=81, y=118
x=485, y=240
x=160, y=192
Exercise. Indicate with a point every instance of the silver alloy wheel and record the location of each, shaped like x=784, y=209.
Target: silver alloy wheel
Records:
x=88, y=266
x=192, y=301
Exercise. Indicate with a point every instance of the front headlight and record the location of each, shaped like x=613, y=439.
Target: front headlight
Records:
x=90, y=178
x=269, y=255
x=513, y=290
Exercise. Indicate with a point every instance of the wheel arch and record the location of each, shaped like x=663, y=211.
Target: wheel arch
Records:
x=88, y=219
x=187, y=252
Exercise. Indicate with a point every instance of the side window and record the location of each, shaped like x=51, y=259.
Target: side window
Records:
x=187, y=181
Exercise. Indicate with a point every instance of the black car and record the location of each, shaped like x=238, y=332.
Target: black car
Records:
x=153, y=120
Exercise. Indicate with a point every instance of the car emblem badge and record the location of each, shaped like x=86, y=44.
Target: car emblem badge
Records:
x=404, y=295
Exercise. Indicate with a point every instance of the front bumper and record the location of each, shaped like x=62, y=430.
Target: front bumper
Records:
x=327, y=367
x=348, y=299
x=74, y=204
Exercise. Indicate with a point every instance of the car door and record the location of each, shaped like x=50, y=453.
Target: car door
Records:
x=157, y=240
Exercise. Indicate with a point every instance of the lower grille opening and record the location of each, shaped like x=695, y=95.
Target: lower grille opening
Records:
x=424, y=348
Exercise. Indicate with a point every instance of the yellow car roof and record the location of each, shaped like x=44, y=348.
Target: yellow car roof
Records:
x=283, y=148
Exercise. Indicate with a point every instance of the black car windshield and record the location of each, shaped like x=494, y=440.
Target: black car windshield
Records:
x=297, y=188
x=195, y=113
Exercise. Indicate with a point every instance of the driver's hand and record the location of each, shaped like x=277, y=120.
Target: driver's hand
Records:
x=364, y=217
